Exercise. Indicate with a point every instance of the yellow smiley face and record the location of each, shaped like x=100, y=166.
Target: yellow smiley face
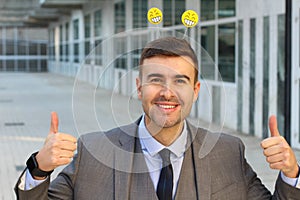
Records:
x=189, y=18
x=154, y=16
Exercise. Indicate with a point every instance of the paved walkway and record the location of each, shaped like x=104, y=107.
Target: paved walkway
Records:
x=26, y=101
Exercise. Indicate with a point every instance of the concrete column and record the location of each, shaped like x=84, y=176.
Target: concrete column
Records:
x=295, y=108
x=258, y=129
x=273, y=65
x=246, y=74
x=128, y=14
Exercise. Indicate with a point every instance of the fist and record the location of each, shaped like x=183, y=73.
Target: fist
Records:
x=278, y=152
x=58, y=148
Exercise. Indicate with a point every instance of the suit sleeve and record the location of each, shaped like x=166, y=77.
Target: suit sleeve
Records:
x=257, y=191
x=60, y=188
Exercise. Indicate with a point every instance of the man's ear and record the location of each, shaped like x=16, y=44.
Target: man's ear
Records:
x=196, y=90
x=138, y=84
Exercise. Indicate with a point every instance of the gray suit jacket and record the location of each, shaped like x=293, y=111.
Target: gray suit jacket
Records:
x=110, y=165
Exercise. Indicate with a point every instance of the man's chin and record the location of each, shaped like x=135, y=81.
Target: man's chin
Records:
x=167, y=123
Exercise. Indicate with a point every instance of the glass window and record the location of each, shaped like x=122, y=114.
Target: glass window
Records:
x=33, y=49
x=87, y=35
x=98, y=23
x=120, y=49
x=76, y=29
x=22, y=65
x=120, y=17
x=43, y=49
x=87, y=48
x=138, y=43
x=44, y=66
x=240, y=77
x=98, y=52
x=139, y=10
x=172, y=11
x=10, y=65
x=22, y=45
x=227, y=52
x=60, y=33
x=252, y=76
x=1, y=47
x=51, y=54
x=87, y=26
x=207, y=10
x=33, y=65
x=179, y=10
x=66, y=43
x=10, y=47
x=167, y=12
x=61, y=52
x=226, y=8
x=281, y=73
x=208, y=43
x=67, y=31
x=67, y=52
x=266, y=58
x=76, y=52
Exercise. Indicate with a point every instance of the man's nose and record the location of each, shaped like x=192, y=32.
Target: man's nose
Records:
x=166, y=91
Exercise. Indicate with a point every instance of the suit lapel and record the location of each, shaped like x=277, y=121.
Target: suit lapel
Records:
x=133, y=182
x=186, y=188
x=122, y=177
x=197, y=166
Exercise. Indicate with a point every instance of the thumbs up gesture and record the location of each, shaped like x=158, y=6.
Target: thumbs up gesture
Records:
x=58, y=148
x=278, y=152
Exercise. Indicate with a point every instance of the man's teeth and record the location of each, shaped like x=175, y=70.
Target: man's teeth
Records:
x=167, y=106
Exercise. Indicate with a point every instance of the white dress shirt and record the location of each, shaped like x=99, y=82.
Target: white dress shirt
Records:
x=151, y=149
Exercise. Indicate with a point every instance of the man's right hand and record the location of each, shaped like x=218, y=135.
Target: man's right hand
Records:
x=58, y=148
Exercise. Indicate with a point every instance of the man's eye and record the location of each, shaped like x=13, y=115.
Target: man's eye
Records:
x=156, y=80
x=181, y=81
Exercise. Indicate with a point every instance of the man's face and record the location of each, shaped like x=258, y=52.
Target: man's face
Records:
x=167, y=90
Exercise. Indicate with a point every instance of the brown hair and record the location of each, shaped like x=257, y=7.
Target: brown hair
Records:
x=169, y=46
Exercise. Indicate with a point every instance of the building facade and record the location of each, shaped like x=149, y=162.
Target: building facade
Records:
x=23, y=49
x=242, y=68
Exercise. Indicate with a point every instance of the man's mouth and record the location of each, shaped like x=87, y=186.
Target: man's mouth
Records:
x=167, y=106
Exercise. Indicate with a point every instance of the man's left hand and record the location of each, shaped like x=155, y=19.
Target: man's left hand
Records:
x=278, y=152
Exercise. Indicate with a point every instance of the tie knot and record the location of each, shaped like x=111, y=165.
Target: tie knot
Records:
x=165, y=155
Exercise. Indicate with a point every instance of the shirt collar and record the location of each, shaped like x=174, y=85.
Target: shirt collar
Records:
x=153, y=146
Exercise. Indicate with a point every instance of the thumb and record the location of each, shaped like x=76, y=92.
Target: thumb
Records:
x=54, y=123
x=273, y=126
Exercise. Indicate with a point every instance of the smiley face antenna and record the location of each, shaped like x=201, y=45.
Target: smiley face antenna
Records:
x=154, y=15
x=189, y=19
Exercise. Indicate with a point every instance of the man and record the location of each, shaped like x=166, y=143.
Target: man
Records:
x=161, y=155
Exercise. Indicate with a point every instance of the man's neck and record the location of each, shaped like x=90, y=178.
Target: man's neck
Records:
x=165, y=136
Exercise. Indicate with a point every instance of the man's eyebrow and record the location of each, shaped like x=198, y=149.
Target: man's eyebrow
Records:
x=182, y=76
x=155, y=75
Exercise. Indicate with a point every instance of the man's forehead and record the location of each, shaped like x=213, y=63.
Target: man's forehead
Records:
x=167, y=69
x=168, y=59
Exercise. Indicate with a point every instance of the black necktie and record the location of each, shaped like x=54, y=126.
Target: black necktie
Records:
x=165, y=183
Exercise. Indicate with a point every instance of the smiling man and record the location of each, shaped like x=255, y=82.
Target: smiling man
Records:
x=158, y=156
x=167, y=87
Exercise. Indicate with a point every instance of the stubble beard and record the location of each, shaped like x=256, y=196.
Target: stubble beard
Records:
x=157, y=121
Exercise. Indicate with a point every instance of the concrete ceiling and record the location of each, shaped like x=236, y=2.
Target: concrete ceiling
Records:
x=35, y=13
